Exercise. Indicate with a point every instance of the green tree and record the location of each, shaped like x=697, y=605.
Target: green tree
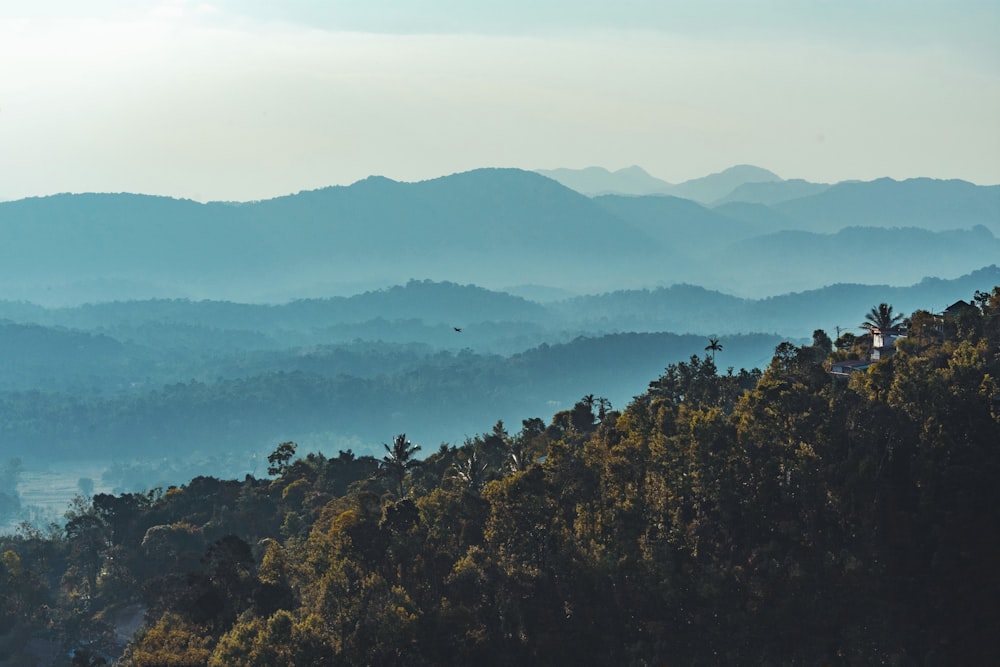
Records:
x=23, y=595
x=170, y=642
x=282, y=639
x=89, y=538
x=713, y=346
x=882, y=318
x=279, y=458
x=822, y=341
x=469, y=470
x=399, y=461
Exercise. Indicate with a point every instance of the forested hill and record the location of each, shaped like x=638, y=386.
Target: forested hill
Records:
x=917, y=202
x=219, y=381
x=782, y=517
x=796, y=314
x=372, y=314
x=227, y=408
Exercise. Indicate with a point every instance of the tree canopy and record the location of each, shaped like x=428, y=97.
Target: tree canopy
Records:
x=881, y=318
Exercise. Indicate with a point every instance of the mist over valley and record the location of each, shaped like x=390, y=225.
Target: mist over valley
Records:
x=521, y=333
x=156, y=331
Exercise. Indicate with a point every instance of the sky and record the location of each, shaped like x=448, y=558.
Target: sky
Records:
x=250, y=99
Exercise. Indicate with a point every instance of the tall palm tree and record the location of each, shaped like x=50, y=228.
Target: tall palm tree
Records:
x=714, y=346
x=399, y=460
x=881, y=318
x=471, y=471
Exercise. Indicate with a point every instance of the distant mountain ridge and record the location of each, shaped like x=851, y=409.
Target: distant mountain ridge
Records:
x=917, y=202
x=467, y=226
x=714, y=187
x=771, y=192
x=595, y=181
x=688, y=308
x=490, y=227
x=438, y=306
x=883, y=201
x=855, y=251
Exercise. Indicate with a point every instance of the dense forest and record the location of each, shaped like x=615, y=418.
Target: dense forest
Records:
x=781, y=517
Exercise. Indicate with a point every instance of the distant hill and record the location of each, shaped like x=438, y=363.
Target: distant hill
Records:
x=712, y=188
x=761, y=218
x=897, y=256
x=690, y=309
x=33, y=355
x=490, y=226
x=419, y=311
x=424, y=313
x=772, y=192
x=754, y=249
x=538, y=293
x=593, y=181
x=132, y=377
x=919, y=202
x=837, y=305
x=684, y=226
x=335, y=400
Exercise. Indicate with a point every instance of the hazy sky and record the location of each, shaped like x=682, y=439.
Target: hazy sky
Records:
x=249, y=99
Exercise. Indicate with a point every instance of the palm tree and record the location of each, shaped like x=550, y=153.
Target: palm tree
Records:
x=881, y=318
x=714, y=346
x=517, y=460
x=471, y=471
x=399, y=460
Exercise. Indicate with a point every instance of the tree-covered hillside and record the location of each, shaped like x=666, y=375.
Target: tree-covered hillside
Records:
x=783, y=517
x=209, y=404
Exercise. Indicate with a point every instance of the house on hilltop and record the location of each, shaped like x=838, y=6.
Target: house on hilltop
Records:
x=883, y=326
x=956, y=318
x=958, y=310
x=884, y=341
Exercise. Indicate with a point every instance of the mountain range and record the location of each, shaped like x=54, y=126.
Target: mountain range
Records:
x=634, y=180
x=497, y=228
x=152, y=331
x=426, y=312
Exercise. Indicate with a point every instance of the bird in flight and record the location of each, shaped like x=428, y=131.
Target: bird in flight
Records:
x=458, y=329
